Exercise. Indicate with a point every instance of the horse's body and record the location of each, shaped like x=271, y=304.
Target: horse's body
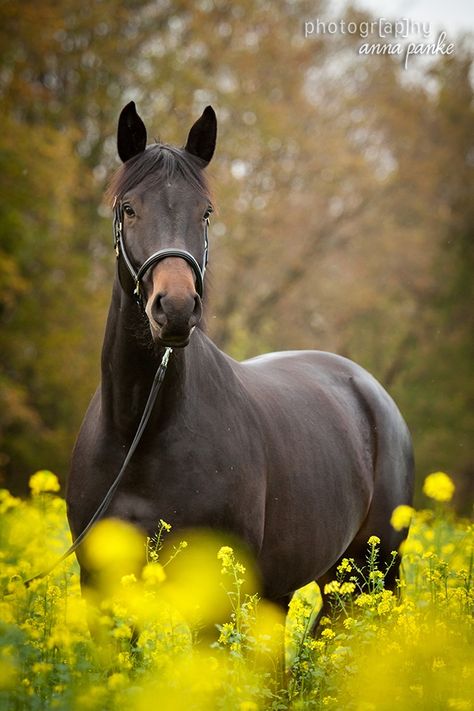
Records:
x=301, y=454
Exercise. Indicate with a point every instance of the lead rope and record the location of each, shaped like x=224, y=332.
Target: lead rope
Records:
x=155, y=388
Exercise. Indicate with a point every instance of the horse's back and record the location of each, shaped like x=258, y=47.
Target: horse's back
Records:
x=326, y=375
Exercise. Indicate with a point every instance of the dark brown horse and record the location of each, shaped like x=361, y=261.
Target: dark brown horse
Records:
x=302, y=454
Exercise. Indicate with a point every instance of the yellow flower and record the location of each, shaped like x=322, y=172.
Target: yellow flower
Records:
x=383, y=607
x=122, y=632
x=124, y=661
x=344, y=567
x=114, y=544
x=332, y=587
x=153, y=574
x=347, y=588
x=43, y=481
x=328, y=634
x=41, y=668
x=225, y=552
x=364, y=600
x=7, y=501
x=439, y=486
x=401, y=517
x=226, y=556
x=227, y=630
x=374, y=541
x=128, y=580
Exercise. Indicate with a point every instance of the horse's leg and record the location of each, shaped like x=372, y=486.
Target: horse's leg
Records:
x=325, y=609
x=278, y=660
x=283, y=602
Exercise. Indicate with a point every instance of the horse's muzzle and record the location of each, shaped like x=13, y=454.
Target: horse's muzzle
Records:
x=173, y=317
x=174, y=305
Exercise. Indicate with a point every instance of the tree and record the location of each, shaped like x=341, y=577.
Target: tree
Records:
x=343, y=218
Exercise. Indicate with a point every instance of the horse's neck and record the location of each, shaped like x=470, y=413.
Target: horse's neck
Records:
x=129, y=363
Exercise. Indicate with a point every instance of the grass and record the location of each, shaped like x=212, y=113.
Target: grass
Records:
x=204, y=639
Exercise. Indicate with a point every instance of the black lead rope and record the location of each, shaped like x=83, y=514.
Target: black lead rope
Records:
x=155, y=388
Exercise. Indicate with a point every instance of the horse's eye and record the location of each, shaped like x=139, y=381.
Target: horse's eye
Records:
x=208, y=213
x=128, y=210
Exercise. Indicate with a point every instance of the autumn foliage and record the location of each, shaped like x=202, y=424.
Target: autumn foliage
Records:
x=343, y=187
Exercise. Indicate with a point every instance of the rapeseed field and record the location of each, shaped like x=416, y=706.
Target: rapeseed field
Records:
x=175, y=622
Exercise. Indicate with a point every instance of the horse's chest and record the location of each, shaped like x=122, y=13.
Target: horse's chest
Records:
x=195, y=483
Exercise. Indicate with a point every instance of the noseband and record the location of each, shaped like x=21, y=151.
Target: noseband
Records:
x=138, y=274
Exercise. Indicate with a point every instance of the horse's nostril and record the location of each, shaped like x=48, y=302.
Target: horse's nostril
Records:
x=197, y=311
x=175, y=313
x=157, y=310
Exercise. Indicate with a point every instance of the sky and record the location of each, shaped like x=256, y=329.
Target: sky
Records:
x=453, y=16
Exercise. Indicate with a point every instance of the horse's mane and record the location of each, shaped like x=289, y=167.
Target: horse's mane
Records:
x=157, y=164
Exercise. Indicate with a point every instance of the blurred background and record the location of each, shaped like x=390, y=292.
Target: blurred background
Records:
x=343, y=185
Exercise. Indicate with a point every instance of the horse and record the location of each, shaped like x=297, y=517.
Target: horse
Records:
x=302, y=455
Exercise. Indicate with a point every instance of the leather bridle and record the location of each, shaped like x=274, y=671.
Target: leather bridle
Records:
x=138, y=274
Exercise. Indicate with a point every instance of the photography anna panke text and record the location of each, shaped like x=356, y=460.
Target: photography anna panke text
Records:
x=386, y=36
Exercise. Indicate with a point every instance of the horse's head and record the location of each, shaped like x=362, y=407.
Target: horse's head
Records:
x=162, y=206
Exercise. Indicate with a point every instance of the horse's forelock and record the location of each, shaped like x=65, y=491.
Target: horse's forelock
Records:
x=157, y=164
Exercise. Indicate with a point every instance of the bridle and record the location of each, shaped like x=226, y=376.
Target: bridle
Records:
x=138, y=274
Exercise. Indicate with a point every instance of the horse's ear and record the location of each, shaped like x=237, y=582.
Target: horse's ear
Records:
x=131, y=133
x=202, y=136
